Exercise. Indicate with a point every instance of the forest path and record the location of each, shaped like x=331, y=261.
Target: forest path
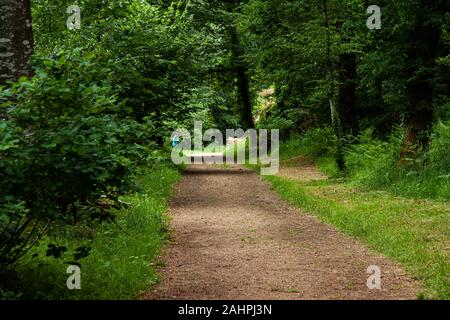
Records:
x=235, y=238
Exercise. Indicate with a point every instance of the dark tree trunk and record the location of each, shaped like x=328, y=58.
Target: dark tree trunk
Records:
x=244, y=94
x=241, y=72
x=243, y=86
x=16, y=39
x=413, y=139
x=335, y=117
x=418, y=123
x=347, y=105
x=420, y=90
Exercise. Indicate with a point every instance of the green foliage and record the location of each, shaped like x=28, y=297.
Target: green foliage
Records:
x=439, y=150
x=375, y=164
x=64, y=146
x=400, y=70
x=123, y=255
x=288, y=121
x=314, y=143
x=101, y=103
x=373, y=161
x=105, y=99
x=327, y=164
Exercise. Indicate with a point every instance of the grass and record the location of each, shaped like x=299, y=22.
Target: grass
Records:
x=424, y=184
x=414, y=232
x=123, y=257
x=327, y=164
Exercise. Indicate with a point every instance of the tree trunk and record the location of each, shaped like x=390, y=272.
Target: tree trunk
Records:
x=241, y=71
x=243, y=86
x=335, y=118
x=420, y=90
x=347, y=106
x=16, y=39
x=415, y=135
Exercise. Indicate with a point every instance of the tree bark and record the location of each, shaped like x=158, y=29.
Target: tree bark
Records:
x=243, y=85
x=241, y=72
x=16, y=39
x=420, y=90
x=335, y=118
x=347, y=106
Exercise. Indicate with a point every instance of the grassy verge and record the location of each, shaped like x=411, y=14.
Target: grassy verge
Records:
x=122, y=260
x=392, y=215
x=414, y=232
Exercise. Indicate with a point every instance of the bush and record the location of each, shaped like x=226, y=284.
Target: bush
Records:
x=372, y=161
x=314, y=143
x=65, y=152
x=375, y=163
x=439, y=155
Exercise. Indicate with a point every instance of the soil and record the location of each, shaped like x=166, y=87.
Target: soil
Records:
x=300, y=168
x=232, y=237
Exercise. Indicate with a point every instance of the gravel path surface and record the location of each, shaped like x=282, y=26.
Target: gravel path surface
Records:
x=234, y=238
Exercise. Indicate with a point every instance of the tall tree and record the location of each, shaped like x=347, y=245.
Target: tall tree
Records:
x=348, y=109
x=241, y=71
x=424, y=40
x=228, y=66
x=242, y=81
x=335, y=116
x=16, y=39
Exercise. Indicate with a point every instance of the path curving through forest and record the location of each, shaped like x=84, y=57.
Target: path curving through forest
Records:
x=234, y=238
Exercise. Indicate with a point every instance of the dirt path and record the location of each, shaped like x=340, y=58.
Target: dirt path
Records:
x=300, y=168
x=234, y=238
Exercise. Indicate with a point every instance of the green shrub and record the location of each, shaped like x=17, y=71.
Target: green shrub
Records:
x=375, y=164
x=372, y=161
x=314, y=143
x=63, y=147
x=439, y=154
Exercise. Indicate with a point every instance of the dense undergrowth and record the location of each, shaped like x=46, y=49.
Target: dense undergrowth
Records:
x=123, y=256
x=99, y=106
x=375, y=163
